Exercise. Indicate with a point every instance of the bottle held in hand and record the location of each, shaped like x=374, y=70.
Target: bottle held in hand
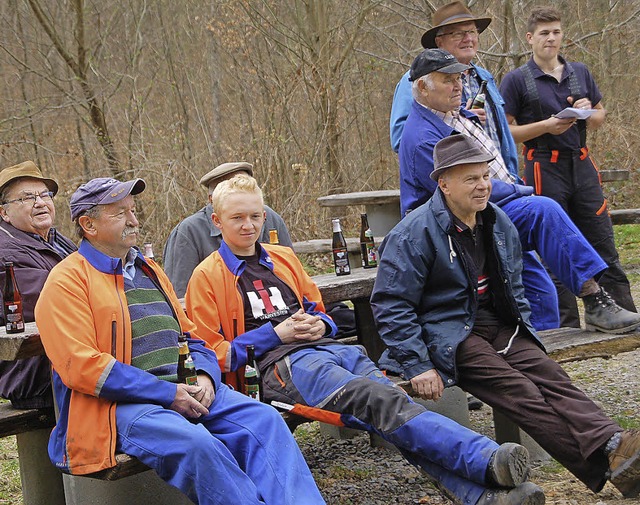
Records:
x=368, y=250
x=480, y=98
x=12, y=301
x=339, y=247
x=252, y=386
x=186, y=367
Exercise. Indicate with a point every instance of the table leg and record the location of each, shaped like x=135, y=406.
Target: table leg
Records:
x=366, y=329
x=41, y=480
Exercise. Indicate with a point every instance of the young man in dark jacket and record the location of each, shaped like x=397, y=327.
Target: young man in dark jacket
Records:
x=29, y=240
x=449, y=303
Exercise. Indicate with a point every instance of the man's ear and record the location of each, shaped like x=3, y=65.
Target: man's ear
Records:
x=216, y=221
x=86, y=223
x=529, y=36
x=442, y=184
x=4, y=215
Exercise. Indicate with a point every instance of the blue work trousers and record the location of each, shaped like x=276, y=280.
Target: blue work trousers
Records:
x=544, y=227
x=342, y=379
x=241, y=452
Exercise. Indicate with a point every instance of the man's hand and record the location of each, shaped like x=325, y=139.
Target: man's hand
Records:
x=300, y=327
x=207, y=392
x=582, y=103
x=556, y=126
x=184, y=403
x=428, y=385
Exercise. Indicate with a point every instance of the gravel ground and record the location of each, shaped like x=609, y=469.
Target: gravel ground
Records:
x=350, y=472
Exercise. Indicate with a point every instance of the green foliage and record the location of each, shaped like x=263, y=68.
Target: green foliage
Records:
x=627, y=238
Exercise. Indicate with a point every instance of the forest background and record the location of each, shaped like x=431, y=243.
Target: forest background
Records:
x=302, y=89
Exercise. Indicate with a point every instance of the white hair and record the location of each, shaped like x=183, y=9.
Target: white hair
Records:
x=428, y=82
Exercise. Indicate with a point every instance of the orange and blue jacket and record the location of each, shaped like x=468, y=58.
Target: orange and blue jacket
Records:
x=85, y=328
x=215, y=304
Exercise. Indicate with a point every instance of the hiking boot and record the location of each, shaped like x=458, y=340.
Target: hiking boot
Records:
x=473, y=403
x=602, y=313
x=624, y=464
x=508, y=466
x=525, y=494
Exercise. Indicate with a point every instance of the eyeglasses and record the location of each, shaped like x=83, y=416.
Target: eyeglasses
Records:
x=30, y=199
x=460, y=34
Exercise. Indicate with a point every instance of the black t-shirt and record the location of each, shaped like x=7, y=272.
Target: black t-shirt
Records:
x=266, y=297
x=473, y=242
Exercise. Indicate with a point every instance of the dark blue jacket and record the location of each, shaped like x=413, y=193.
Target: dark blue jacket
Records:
x=424, y=298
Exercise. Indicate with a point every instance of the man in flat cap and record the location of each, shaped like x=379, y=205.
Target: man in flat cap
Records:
x=29, y=240
x=543, y=225
x=195, y=238
x=449, y=303
x=110, y=323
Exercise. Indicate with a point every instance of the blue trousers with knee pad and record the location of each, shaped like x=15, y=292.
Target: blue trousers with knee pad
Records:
x=241, y=452
x=544, y=227
x=342, y=379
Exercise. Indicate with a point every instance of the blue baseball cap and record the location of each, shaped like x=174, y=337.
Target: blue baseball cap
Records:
x=102, y=191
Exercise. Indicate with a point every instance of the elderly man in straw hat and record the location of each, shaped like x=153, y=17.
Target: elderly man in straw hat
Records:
x=195, y=238
x=29, y=240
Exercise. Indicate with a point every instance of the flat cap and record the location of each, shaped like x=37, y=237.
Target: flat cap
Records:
x=25, y=169
x=457, y=150
x=435, y=60
x=226, y=169
x=102, y=191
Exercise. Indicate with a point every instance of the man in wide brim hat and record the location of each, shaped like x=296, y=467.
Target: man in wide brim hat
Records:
x=451, y=14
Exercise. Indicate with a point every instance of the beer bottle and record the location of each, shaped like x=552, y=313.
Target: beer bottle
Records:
x=148, y=250
x=12, y=301
x=252, y=386
x=478, y=101
x=368, y=249
x=339, y=247
x=273, y=236
x=186, y=367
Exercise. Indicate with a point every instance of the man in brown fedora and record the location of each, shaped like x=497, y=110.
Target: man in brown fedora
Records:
x=449, y=303
x=456, y=30
x=29, y=240
x=195, y=238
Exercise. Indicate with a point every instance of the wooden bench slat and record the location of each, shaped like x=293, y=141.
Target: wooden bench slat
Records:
x=625, y=216
x=14, y=421
x=323, y=246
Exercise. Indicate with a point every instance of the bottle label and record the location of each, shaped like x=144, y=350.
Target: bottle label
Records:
x=191, y=380
x=13, y=317
x=253, y=391
x=341, y=261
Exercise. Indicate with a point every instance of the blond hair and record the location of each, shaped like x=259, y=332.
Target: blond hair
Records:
x=240, y=183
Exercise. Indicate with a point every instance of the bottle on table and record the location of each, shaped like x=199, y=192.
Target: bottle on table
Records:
x=148, y=250
x=368, y=250
x=339, y=247
x=186, y=367
x=12, y=301
x=252, y=386
x=478, y=101
x=273, y=237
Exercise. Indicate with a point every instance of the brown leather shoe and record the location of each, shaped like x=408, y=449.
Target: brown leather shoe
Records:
x=624, y=464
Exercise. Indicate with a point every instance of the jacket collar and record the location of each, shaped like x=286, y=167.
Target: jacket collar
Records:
x=235, y=265
x=102, y=262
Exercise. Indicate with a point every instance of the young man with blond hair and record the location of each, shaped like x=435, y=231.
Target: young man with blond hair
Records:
x=248, y=293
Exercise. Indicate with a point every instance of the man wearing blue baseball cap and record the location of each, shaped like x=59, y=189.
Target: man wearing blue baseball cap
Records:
x=109, y=321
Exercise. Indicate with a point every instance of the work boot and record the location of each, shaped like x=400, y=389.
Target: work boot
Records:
x=525, y=494
x=624, y=464
x=508, y=466
x=602, y=313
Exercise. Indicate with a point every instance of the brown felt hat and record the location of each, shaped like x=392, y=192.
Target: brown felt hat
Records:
x=450, y=14
x=457, y=150
x=226, y=169
x=25, y=169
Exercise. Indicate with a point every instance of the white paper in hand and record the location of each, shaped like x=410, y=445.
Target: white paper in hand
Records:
x=573, y=113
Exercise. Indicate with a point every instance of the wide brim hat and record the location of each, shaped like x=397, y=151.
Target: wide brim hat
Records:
x=457, y=149
x=226, y=169
x=25, y=169
x=450, y=14
x=102, y=191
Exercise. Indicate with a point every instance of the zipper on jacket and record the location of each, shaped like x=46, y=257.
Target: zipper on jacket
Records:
x=114, y=334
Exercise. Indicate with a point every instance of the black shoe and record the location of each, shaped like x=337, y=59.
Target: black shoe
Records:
x=473, y=403
x=602, y=313
x=508, y=466
x=525, y=494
